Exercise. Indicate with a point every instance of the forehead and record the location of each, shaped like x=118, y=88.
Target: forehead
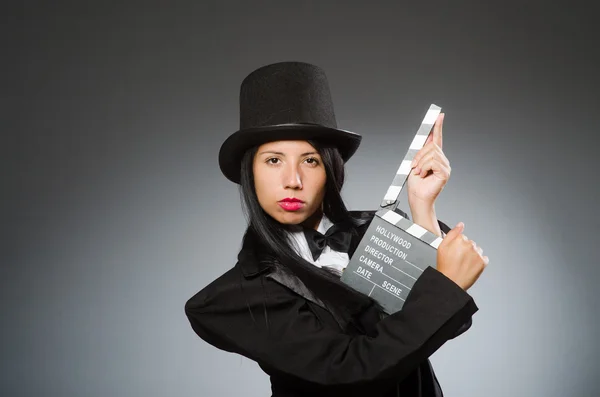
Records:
x=287, y=146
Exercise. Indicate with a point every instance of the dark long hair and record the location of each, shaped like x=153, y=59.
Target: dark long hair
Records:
x=270, y=233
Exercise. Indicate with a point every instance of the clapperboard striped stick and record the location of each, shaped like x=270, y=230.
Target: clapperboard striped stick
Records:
x=393, y=192
x=391, y=197
x=394, y=251
x=409, y=227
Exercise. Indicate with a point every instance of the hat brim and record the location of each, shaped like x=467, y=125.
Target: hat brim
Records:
x=234, y=147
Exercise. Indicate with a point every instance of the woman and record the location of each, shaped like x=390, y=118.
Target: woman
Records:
x=283, y=304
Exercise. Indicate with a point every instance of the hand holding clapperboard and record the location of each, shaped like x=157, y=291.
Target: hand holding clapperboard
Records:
x=394, y=251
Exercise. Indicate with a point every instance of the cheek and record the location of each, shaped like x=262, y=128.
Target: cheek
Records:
x=319, y=185
x=260, y=188
x=264, y=187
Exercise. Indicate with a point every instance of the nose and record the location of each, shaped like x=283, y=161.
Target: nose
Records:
x=291, y=176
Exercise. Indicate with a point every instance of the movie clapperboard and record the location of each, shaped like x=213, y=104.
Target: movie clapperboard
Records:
x=394, y=251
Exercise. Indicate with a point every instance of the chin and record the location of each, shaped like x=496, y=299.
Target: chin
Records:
x=291, y=218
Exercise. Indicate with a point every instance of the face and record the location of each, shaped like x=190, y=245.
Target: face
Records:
x=289, y=178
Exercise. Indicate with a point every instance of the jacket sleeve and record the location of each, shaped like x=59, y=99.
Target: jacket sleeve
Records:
x=445, y=230
x=274, y=327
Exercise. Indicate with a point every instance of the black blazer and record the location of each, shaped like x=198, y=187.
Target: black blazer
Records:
x=267, y=314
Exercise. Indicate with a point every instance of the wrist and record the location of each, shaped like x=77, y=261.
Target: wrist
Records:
x=422, y=210
x=424, y=215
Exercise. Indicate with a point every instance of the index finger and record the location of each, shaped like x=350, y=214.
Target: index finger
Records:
x=437, y=130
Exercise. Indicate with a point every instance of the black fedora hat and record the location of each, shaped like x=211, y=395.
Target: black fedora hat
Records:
x=282, y=101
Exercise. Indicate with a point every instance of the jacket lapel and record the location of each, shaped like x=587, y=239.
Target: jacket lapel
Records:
x=286, y=278
x=364, y=218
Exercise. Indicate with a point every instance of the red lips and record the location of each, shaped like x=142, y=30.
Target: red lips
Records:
x=291, y=204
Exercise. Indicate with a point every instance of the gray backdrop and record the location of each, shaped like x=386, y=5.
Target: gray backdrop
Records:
x=114, y=211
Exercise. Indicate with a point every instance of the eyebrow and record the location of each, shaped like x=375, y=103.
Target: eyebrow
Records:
x=283, y=154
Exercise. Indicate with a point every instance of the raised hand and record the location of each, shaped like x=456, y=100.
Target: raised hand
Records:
x=430, y=169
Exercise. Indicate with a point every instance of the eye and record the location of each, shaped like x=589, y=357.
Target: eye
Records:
x=312, y=161
x=270, y=160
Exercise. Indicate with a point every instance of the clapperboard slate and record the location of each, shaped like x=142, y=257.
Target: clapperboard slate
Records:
x=394, y=251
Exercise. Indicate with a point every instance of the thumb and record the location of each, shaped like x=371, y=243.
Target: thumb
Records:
x=455, y=231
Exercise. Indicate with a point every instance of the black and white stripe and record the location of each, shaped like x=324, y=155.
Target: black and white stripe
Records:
x=417, y=144
x=409, y=227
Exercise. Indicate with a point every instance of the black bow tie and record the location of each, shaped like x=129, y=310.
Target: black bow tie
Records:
x=335, y=237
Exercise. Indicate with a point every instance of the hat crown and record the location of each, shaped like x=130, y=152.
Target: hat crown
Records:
x=286, y=93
